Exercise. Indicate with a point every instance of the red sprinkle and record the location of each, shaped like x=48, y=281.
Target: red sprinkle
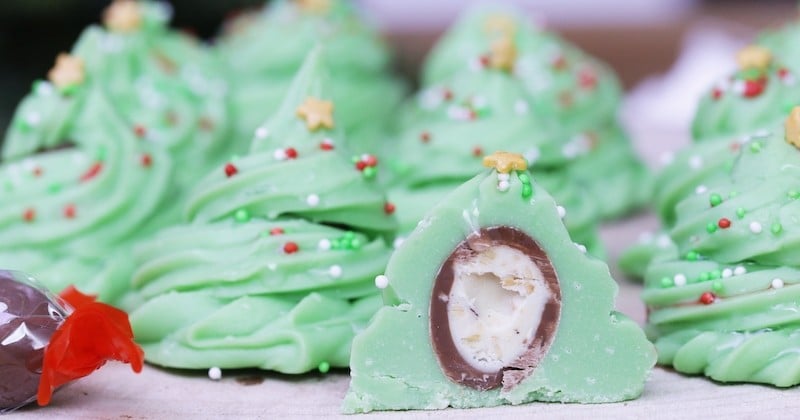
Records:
x=425, y=137
x=560, y=63
x=206, y=124
x=69, y=211
x=276, y=231
x=147, y=160
x=92, y=172
x=389, y=208
x=783, y=72
x=707, y=298
x=753, y=88
x=371, y=160
x=477, y=151
x=291, y=153
x=326, y=145
x=724, y=223
x=360, y=165
x=37, y=171
x=290, y=247
x=484, y=60
x=230, y=170
x=29, y=215
x=587, y=79
x=447, y=94
x=716, y=93
x=139, y=130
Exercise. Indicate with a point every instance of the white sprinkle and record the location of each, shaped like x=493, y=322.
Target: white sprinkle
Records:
x=312, y=200
x=701, y=189
x=663, y=241
x=562, y=212
x=502, y=186
x=679, y=280
x=532, y=155
x=777, y=283
x=262, y=132
x=335, y=271
x=33, y=118
x=762, y=133
x=695, y=162
x=327, y=141
x=381, y=282
x=398, y=241
x=215, y=373
x=279, y=154
x=739, y=86
x=581, y=247
x=738, y=271
x=646, y=237
x=502, y=177
x=727, y=273
x=755, y=227
x=272, y=266
x=521, y=107
x=324, y=244
x=44, y=89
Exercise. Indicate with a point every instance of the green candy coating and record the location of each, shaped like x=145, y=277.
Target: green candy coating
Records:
x=598, y=355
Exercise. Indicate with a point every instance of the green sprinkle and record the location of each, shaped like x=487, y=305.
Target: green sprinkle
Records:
x=242, y=215
x=524, y=177
x=715, y=200
x=101, y=153
x=751, y=74
x=355, y=244
x=732, y=194
x=793, y=194
x=755, y=146
x=740, y=212
x=711, y=227
x=704, y=276
x=54, y=188
x=349, y=234
x=667, y=282
x=324, y=367
x=336, y=243
x=527, y=190
x=716, y=286
x=22, y=125
x=776, y=228
x=714, y=274
x=355, y=159
x=369, y=172
x=692, y=256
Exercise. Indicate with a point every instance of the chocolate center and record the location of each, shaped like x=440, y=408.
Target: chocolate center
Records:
x=494, y=310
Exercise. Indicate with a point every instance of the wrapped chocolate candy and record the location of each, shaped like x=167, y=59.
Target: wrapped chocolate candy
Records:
x=47, y=341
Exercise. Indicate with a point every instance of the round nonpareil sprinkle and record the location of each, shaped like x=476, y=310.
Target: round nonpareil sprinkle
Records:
x=381, y=281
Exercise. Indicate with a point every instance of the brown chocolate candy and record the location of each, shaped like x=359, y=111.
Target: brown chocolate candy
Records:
x=453, y=365
x=28, y=318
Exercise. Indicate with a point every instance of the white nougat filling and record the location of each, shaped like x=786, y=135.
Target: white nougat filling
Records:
x=495, y=306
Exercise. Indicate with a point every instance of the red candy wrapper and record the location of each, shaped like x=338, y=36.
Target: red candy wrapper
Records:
x=47, y=341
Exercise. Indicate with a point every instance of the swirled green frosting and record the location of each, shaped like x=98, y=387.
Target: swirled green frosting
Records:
x=726, y=121
x=365, y=95
x=276, y=268
x=783, y=43
x=168, y=87
x=747, y=100
x=77, y=189
x=725, y=304
x=575, y=92
x=477, y=111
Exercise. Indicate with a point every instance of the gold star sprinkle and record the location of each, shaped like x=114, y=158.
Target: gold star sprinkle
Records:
x=317, y=113
x=503, y=54
x=314, y=6
x=67, y=72
x=754, y=57
x=122, y=16
x=793, y=127
x=499, y=24
x=505, y=162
